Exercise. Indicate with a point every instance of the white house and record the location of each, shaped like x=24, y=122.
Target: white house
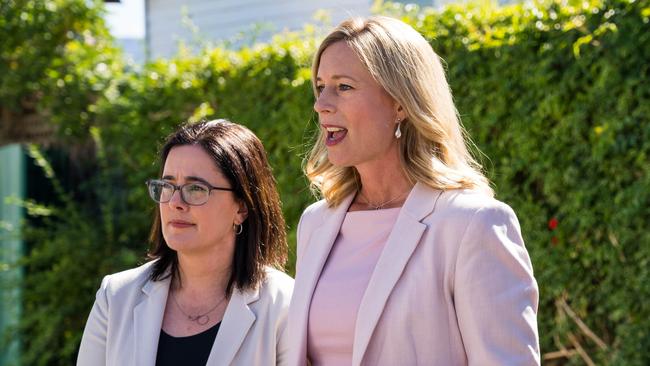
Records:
x=170, y=21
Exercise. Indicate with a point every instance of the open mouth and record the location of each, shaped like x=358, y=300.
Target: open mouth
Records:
x=334, y=135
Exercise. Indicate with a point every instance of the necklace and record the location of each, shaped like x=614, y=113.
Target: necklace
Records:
x=201, y=319
x=382, y=204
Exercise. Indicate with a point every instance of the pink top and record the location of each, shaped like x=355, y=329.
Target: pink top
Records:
x=342, y=283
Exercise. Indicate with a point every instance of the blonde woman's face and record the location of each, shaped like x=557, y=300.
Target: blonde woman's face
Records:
x=357, y=116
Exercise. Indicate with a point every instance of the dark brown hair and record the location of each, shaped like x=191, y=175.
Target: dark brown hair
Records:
x=240, y=156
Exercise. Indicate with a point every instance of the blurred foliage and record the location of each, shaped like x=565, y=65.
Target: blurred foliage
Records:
x=56, y=59
x=556, y=94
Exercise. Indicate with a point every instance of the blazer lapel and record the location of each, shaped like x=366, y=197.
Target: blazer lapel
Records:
x=399, y=247
x=236, y=322
x=315, y=256
x=147, y=318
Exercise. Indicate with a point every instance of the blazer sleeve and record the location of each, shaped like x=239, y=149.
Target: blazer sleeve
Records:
x=300, y=236
x=495, y=293
x=283, y=345
x=311, y=218
x=281, y=301
x=93, y=342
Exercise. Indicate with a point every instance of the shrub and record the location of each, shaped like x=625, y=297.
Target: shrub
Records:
x=556, y=96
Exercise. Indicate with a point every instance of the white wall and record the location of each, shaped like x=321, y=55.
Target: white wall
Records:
x=226, y=19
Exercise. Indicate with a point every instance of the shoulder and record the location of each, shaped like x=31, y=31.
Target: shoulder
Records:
x=478, y=223
x=469, y=204
x=315, y=211
x=128, y=280
x=311, y=217
x=274, y=293
x=454, y=213
x=277, y=285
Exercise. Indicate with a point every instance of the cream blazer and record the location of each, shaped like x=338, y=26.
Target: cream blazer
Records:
x=125, y=322
x=453, y=285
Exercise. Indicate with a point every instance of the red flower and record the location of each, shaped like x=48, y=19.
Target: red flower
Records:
x=552, y=223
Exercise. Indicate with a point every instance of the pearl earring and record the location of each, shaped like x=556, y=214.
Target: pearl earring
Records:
x=398, y=131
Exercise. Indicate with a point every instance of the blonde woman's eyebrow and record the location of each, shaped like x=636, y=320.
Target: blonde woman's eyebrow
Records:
x=337, y=77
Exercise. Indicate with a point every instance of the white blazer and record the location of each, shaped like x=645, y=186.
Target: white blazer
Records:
x=453, y=285
x=125, y=322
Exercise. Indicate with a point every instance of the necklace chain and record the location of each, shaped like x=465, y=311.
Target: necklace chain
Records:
x=383, y=204
x=201, y=319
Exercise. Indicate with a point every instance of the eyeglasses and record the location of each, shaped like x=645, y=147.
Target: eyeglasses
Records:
x=194, y=193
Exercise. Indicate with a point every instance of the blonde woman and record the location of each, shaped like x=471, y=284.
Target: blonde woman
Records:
x=408, y=259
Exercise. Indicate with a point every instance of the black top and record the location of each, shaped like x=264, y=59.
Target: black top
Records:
x=186, y=351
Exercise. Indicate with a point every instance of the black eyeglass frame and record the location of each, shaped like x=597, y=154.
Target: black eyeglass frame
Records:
x=180, y=189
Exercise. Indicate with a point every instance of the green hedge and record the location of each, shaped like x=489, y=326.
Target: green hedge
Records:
x=556, y=95
x=558, y=98
x=56, y=57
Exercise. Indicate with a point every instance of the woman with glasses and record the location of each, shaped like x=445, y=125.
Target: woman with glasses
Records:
x=212, y=292
x=408, y=259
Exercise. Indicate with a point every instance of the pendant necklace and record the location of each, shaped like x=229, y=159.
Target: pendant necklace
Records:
x=201, y=319
x=383, y=204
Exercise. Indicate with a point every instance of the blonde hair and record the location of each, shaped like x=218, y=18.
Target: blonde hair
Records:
x=433, y=147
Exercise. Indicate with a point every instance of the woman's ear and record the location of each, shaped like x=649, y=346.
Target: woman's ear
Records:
x=399, y=112
x=242, y=212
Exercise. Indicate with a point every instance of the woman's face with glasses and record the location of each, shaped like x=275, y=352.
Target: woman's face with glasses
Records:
x=197, y=206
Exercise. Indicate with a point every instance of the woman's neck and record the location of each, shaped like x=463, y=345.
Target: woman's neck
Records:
x=382, y=185
x=202, y=275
